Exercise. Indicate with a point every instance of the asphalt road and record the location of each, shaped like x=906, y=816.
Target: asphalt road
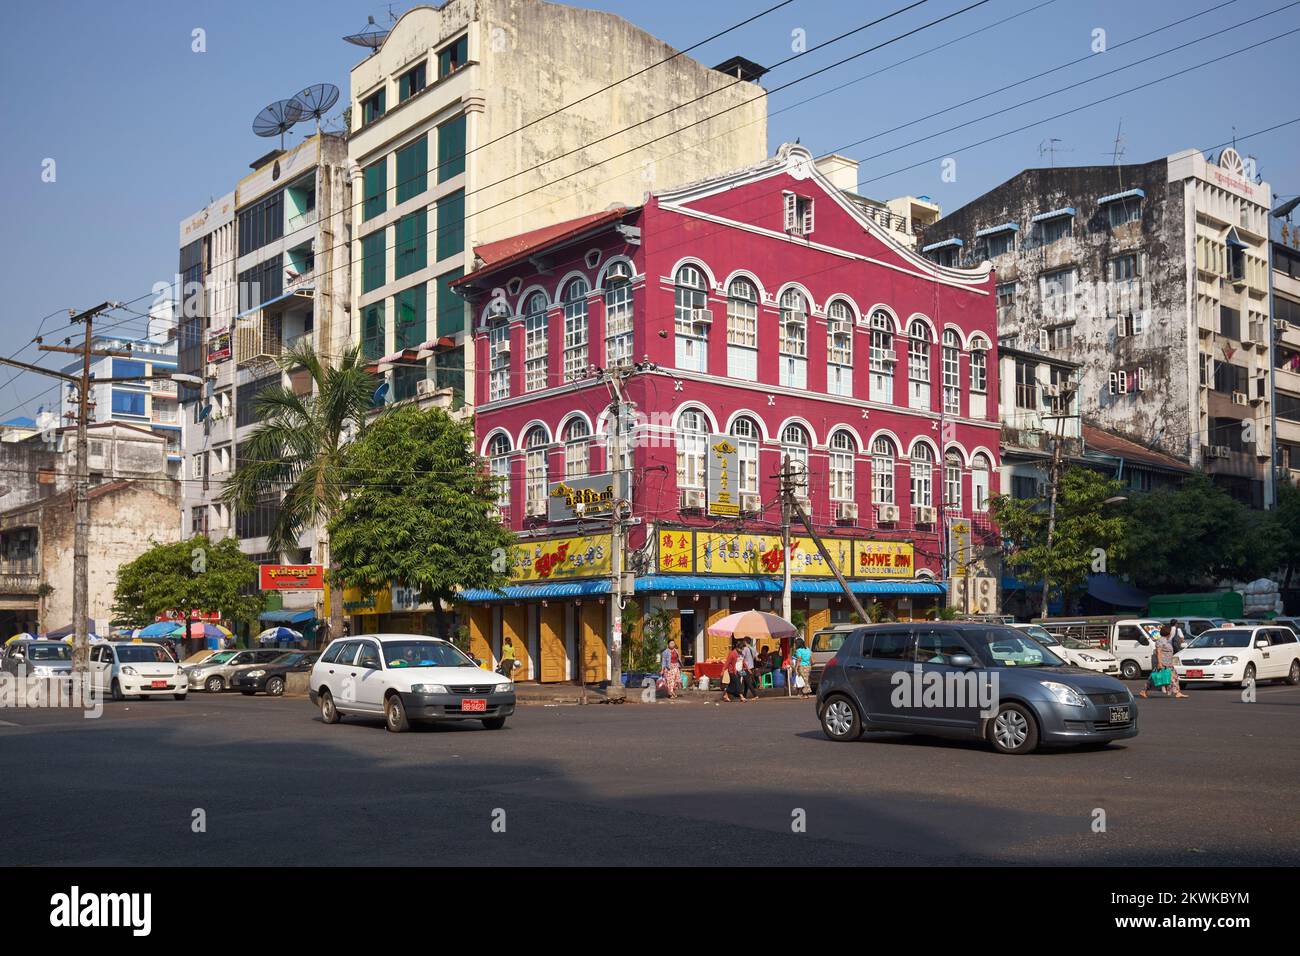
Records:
x=1209, y=780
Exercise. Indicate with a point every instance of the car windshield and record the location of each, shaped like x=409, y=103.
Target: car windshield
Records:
x=287, y=659
x=1041, y=634
x=424, y=654
x=142, y=654
x=1074, y=644
x=49, y=652
x=1223, y=637
x=219, y=658
x=1008, y=647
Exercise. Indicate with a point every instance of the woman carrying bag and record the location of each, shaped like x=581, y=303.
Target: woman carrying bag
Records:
x=1162, y=666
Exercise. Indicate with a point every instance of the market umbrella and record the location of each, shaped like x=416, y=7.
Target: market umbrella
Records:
x=19, y=637
x=204, y=629
x=161, y=629
x=90, y=639
x=273, y=634
x=68, y=629
x=756, y=624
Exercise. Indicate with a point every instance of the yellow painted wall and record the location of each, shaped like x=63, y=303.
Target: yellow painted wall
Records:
x=594, y=650
x=716, y=647
x=480, y=634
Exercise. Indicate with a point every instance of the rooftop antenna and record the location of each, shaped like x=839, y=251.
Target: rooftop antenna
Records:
x=1049, y=148
x=372, y=36
x=1118, y=151
x=316, y=101
x=278, y=118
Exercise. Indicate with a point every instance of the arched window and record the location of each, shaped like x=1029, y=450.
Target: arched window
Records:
x=951, y=372
x=535, y=478
x=882, y=357
x=498, y=451
x=575, y=330
x=535, y=342
x=952, y=482
x=918, y=364
x=794, y=339
x=742, y=330
x=883, y=456
x=692, y=448
x=745, y=432
x=577, y=442
x=839, y=348
x=979, y=483
x=498, y=353
x=794, y=446
x=842, y=455
x=922, y=476
x=691, y=319
x=979, y=368
x=618, y=314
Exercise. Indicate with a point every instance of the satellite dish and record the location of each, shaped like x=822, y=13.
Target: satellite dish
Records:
x=277, y=118
x=316, y=101
x=372, y=36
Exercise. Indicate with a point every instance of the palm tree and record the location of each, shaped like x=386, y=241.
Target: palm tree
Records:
x=299, y=453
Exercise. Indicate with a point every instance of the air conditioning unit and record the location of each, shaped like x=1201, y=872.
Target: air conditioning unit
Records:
x=1052, y=391
x=958, y=595
x=983, y=605
x=846, y=511
x=503, y=348
x=839, y=327
x=1257, y=399
x=424, y=387
x=888, y=514
x=692, y=498
x=925, y=516
x=537, y=509
x=1279, y=325
x=986, y=586
x=751, y=503
x=1218, y=451
x=701, y=317
x=1239, y=398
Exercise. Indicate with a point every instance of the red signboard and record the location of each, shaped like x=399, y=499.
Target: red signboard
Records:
x=211, y=617
x=293, y=577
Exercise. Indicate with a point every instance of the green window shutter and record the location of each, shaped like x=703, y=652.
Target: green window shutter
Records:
x=413, y=169
x=451, y=307
x=451, y=149
x=451, y=224
x=372, y=331
x=412, y=248
x=411, y=328
x=372, y=257
x=376, y=186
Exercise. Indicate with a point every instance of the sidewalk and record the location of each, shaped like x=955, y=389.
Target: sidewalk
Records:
x=534, y=694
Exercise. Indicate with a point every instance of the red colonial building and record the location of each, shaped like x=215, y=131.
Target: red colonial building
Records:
x=771, y=317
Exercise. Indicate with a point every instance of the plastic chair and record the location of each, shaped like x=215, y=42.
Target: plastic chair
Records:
x=765, y=680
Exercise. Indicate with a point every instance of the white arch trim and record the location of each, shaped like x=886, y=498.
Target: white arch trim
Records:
x=563, y=284
x=850, y=430
x=753, y=279
x=881, y=307
x=922, y=317
x=805, y=424
x=700, y=264
x=535, y=423
x=528, y=293
x=698, y=407
x=962, y=455
x=613, y=261
x=487, y=440
x=855, y=314
x=928, y=442
x=578, y=415
x=885, y=433
x=752, y=416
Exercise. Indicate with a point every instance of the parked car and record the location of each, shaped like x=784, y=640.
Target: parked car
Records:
x=1192, y=626
x=1039, y=700
x=1238, y=654
x=136, y=669
x=1072, y=650
x=406, y=678
x=1291, y=622
x=824, y=645
x=213, y=675
x=1124, y=637
x=40, y=658
x=270, y=678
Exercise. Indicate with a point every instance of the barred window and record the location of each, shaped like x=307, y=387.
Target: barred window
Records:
x=535, y=342
x=577, y=440
x=499, y=467
x=951, y=372
x=952, y=482
x=794, y=445
x=618, y=314
x=575, y=330
x=883, y=456
x=842, y=456
x=535, y=479
x=745, y=432
x=691, y=319
x=922, y=476
x=692, y=449
x=499, y=356
x=918, y=352
x=882, y=342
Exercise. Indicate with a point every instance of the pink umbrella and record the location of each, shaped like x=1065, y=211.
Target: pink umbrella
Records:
x=755, y=624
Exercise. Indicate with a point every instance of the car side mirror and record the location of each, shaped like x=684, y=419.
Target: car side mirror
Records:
x=1262, y=645
x=961, y=660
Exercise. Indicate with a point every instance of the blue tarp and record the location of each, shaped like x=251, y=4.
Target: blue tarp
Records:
x=526, y=592
x=288, y=616
x=694, y=582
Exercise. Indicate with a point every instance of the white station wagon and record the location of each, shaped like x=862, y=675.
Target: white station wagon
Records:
x=407, y=678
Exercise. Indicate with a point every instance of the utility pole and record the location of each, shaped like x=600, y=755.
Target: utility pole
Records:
x=787, y=501
x=81, y=476
x=1065, y=395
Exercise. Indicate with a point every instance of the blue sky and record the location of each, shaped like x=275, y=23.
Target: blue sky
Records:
x=144, y=131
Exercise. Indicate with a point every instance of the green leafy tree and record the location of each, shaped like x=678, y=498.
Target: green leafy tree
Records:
x=420, y=512
x=1286, y=517
x=185, y=575
x=1088, y=534
x=299, y=452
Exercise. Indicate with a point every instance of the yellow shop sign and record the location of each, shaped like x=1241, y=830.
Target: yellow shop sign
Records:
x=583, y=556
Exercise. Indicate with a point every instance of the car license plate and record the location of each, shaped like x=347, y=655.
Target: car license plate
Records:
x=1196, y=673
x=477, y=705
x=159, y=683
x=1119, y=715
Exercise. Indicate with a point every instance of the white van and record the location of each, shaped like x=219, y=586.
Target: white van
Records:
x=1124, y=637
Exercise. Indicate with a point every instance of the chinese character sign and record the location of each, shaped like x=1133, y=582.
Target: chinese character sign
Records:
x=723, y=477
x=677, y=551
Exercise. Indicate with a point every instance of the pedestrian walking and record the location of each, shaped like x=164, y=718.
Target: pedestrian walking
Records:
x=508, y=661
x=1162, y=673
x=803, y=668
x=750, y=660
x=731, y=672
x=672, y=669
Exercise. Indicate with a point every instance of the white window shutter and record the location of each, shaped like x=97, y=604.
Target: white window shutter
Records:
x=807, y=217
x=1114, y=383
x=1120, y=326
x=791, y=212
x=1044, y=339
x=1123, y=382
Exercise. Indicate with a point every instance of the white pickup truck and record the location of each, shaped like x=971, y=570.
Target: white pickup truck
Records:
x=1125, y=637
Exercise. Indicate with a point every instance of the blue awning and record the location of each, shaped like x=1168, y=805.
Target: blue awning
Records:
x=535, y=592
x=1001, y=227
x=1126, y=194
x=1053, y=213
x=279, y=298
x=1114, y=591
x=288, y=616
x=940, y=245
x=764, y=585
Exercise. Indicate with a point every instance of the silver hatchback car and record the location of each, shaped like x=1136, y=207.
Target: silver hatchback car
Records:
x=40, y=658
x=213, y=675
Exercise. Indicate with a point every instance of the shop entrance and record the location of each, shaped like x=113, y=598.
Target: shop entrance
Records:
x=686, y=639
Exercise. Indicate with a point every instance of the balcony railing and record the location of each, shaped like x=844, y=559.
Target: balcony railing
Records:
x=300, y=221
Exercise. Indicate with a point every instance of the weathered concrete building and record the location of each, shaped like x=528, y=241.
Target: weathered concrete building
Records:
x=440, y=169
x=133, y=502
x=1153, y=279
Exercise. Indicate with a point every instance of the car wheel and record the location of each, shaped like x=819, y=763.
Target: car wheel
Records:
x=328, y=712
x=275, y=686
x=1130, y=670
x=117, y=691
x=180, y=696
x=494, y=723
x=1248, y=676
x=840, y=720
x=1013, y=730
x=395, y=714
x=1293, y=675
x=215, y=685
